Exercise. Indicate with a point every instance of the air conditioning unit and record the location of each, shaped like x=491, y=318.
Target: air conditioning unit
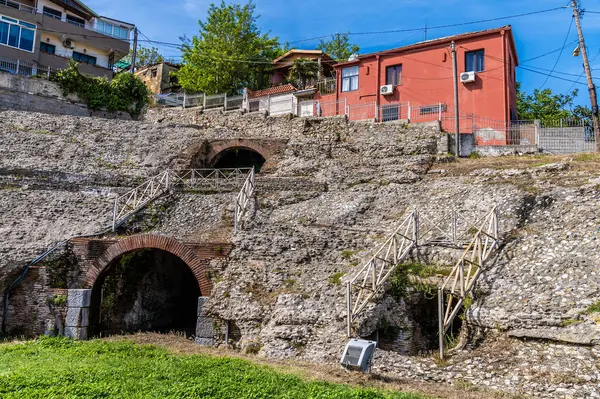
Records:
x=68, y=43
x=386, y=90
x=467, y=77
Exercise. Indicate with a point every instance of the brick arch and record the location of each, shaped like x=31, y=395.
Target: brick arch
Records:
x=142, y=241
x=217, y=149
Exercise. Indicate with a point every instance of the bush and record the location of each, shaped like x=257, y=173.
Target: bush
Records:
x=124, y=93
x=128, y=93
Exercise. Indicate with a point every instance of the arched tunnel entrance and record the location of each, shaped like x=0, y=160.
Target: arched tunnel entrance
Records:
x=145, y=290
x=238, y=157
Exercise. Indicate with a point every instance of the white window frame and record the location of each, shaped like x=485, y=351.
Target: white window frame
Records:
x=21, y=27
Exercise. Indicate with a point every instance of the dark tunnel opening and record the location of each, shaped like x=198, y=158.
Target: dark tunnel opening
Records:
x=145, y=290
x=239, y=157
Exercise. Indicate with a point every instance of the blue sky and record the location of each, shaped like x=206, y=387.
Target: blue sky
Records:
x=297, y=20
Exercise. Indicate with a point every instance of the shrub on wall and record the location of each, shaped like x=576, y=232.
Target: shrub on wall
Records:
x=124, y=93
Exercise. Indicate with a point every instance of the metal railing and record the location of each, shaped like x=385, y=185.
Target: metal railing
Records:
x=376, y=271
x=327, y=86
x=233, y=102
x=243, y=200
x=453, y=229
x=25, y=68
x=214, y=101
x=18, y=6
x=135, y=199
x=461, y=281
x=212, y=179
x=25, y=7
x=362, y=112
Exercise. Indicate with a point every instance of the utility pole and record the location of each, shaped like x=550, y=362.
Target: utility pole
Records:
x=134, y=53
x=456, y=115
x=588, y=73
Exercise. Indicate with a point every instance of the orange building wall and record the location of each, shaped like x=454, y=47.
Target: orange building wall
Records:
x=427, y=78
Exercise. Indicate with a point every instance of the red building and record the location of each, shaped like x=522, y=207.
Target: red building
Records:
x=384, y=83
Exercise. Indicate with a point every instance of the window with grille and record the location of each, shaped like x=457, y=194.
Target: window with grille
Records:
x=432, y=109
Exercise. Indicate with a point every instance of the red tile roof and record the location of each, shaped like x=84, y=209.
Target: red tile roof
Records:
x=271, y=91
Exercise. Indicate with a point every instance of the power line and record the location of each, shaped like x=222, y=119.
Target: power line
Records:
x=582, y=73
x=560, y=54
x=436, y=27
x=552, y=76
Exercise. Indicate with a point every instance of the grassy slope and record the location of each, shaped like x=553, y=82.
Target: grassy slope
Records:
x=59, y=368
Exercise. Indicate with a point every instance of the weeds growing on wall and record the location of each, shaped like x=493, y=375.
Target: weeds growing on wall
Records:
x=124, y=93
x=407, y=278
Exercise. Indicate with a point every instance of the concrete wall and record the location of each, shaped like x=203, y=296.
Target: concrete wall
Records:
x=22, y=93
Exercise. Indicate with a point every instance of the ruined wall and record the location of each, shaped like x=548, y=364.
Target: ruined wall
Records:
x=25, y=93
x=332, y=193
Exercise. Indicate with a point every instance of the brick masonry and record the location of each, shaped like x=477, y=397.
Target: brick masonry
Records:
x=32, y=312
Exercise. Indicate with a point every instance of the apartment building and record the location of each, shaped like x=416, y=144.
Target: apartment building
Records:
x=51, y=32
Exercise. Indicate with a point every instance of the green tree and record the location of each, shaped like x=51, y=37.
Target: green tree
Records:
x=145, y=56
x=302, y=71
x=544, y=104
x=339, y=47
x=229, y=53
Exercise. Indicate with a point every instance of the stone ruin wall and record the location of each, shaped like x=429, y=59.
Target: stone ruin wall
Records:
x=331, y=188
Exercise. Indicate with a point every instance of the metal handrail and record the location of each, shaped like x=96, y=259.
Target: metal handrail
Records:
x=133, y=200
x=243, y=199
x=417, y=230
x=461, y=284
x=376, y=271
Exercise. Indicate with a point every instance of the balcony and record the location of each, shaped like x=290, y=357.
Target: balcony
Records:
x=102, y=26
x=18, y=6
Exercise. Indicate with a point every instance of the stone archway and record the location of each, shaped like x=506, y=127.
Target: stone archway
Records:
x=208, y=153
x=143, y=241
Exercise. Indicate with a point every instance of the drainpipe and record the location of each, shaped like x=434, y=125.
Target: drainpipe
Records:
x=378, y=95
x=504, y=80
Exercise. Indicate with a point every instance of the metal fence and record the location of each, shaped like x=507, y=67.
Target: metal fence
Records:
x=25, y=68
x=327, y=86
x=362, y=112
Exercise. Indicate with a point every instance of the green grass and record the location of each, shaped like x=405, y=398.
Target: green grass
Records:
x=60, y=368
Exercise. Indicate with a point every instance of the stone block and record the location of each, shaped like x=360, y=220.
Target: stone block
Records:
x=204, y=341
x=204, y=327
x=79, y=298
x=201, y=302
x=77, y=333
x=77, y=317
